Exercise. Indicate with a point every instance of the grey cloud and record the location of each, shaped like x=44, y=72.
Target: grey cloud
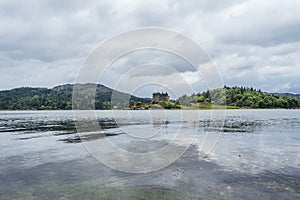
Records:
x=260, y=23
x=50, y=30
x=43, y=43
x=152, y=70
x=145, y=56
x=203, y=5
x=262, y=36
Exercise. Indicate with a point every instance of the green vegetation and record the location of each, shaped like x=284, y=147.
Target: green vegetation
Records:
x=154, y=105
x=60, y=98
x=238, y=97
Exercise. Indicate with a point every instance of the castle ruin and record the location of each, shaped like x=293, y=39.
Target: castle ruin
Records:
x=158, y=97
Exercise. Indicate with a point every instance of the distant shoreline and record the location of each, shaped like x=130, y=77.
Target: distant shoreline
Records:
x=99, y=97
x=161, y=109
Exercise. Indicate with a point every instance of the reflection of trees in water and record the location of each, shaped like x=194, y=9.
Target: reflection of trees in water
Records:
x=162, y=124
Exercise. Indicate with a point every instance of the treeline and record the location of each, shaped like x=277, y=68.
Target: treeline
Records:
x=60, y=98
x=241, y=97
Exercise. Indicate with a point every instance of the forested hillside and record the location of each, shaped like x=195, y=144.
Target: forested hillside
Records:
x=57, y=98
x=242, y=97
x=60, y=98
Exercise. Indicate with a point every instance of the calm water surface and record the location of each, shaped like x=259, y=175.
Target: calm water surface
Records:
x=257, y=155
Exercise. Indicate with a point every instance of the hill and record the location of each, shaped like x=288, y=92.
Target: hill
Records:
x=59, y=98
x=241, y=97
x=287, y=94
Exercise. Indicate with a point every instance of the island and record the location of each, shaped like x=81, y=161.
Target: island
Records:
x=60, y=98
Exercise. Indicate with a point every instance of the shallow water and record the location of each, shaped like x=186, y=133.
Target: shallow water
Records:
x=256, y=155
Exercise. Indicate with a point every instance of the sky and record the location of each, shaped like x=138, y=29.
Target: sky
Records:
x=252, y=43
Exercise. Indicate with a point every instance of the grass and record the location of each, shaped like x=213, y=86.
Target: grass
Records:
x=196, y=106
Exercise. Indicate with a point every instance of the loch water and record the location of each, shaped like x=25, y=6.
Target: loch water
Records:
x=51, y=154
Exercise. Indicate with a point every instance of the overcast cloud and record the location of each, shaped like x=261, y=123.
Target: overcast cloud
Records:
x=252, y=43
